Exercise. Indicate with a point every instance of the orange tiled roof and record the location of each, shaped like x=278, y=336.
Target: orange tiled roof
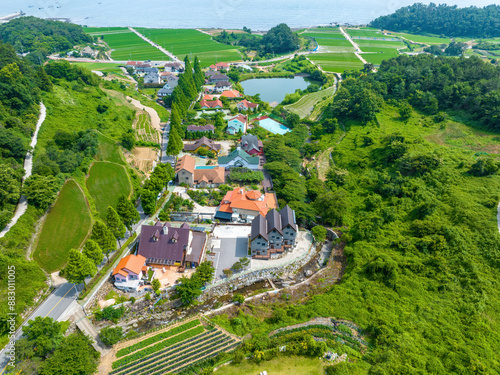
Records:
x=239, y=198
x=231, y=94
x=187, y=162
x=132, y=263
x=216, y=175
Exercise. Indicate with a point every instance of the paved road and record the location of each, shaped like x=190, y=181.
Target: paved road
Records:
x=164, y=143
x=54, y=306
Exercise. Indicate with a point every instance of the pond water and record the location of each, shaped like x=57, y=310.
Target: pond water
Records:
x=274, y=89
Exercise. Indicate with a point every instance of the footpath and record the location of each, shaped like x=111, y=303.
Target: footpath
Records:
x=168, y=53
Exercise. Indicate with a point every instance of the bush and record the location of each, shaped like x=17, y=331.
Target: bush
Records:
x=111, y=335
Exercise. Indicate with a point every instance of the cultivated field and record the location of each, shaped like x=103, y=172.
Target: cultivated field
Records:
x=127, y=45
x=171, y=350
x=143, y=158
x=104, y=178
x=422, y=39
x=144, y=130
x=182, y=42
x=65, y=228
x=329, y=40
x=337, y=62
x=305, y=105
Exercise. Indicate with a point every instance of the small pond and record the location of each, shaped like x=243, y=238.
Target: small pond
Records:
x=274, y=89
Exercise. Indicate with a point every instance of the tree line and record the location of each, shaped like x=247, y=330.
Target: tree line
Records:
x=442, y=19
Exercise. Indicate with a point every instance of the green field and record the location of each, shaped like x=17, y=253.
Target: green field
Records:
x=103, y=67
x=109, y=150
x=276, y=366
x=65, y=228
x=126, y=45
x=182, y=42
x=305, y=105
x=423, y=39
x=336, y=62
x=329, y=40
x=106, y=182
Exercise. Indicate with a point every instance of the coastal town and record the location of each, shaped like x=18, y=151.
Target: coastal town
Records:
x=293, y=200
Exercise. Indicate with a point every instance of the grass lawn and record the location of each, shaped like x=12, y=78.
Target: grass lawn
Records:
x=106, y=182
x=65, y=228
x=109, y=150
x=182, y=42
x=103, y=67
x=305, y=105
x=336, y=62
x=127, y=45
x=277, y=366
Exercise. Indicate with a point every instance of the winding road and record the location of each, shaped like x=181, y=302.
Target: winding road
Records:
x=22, y=205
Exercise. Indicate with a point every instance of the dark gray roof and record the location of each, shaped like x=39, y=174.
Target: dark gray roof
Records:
x=273, y=221
x=197, y=244
x=259, y=227
x=288, y=217
x=222, y=84
x=249, y=142
x=170, y=245
x=220, y=77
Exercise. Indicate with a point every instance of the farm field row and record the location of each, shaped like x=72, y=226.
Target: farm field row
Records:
x=126, y=45
x=182, y=42
x=70, y=214
x=144, y=130
x=337, y=62
x=422, y=38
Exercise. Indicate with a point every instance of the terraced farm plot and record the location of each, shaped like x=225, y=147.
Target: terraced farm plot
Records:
x=108, y=150
x=182, y=42
x=305, y=105
x=364, y=33
x=144, y=130
x=329, y=40
x=126, y=45
x=65, y=228
x=106, y=182
x=172, y=350
x=376, y=58
x=337, y=62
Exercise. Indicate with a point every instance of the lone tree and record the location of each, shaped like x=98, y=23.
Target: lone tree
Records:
x=92, y=251
x=156, y=285
x=111, y=335
x=126, y=209
x=104, y=237
x=115, y=224
x=319, y=233
x=78, y=267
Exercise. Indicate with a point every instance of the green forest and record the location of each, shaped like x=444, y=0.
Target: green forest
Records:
x=442, y=19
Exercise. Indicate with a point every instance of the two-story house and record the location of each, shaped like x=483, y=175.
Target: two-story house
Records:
x=184, y=170
x=237, y=124
x=129, y=271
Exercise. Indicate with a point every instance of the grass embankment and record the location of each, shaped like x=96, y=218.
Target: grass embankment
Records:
x=182, y=42
x=106, y=182
x=276, y=366
x=127, y=45
x=65, y=228
x=422, y=245
x=109, y=150
x=306, y=104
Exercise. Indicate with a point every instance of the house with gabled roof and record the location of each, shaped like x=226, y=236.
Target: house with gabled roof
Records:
x=245, y=105
x=231, y=94
x=201, y=128
x=251, y=144
x=218, y=78
x=165, y=91
x=219, y=66
x=205, y=176
x=184, y=170
x=176, y=248
x=203, y=143
x=210, y=104
x=223, y=86
x=129, y=272
x=239, y=159
x=236, y=124
x=152, y=78
x=273, y=234
x=239, y=203
x=174, y=67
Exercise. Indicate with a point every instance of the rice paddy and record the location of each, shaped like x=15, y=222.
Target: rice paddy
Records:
x=337, y=62
x=126, y=45
x=182, y=42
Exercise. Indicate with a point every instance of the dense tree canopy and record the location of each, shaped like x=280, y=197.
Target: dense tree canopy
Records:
x=443, y=19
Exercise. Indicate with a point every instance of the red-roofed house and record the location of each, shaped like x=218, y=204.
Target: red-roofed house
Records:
x=231, y=94
x=129, y=271
x=245, y=105
x=220, y=66
x=206, y=104
x=240, y=203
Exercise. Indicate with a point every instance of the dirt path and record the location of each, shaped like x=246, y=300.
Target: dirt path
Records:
x=323, y=163
x=155, y=119
x=22, y=206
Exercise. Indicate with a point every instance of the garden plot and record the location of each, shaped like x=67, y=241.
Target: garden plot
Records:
x=172, y=349
x=144, y=130
x=142, y=158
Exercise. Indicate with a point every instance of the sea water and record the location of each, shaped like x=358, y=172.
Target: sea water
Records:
x=255, y=14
